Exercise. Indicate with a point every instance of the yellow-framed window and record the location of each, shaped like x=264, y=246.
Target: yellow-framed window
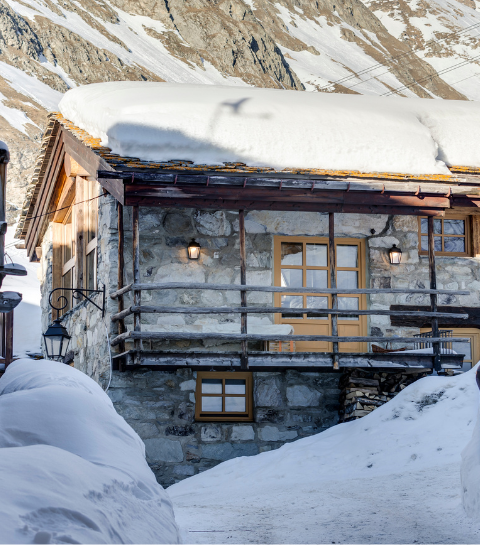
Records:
x=470, y=348
x=68, y=258
x=224, y=396
x=451, y=235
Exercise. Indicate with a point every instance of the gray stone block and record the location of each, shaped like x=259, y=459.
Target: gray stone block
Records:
x=163, y=450
x=266, y=393
x=303, y=396
x=211, y=433
x=219, y=451
x=184, y=470
x=272, y=433
x=242, y=433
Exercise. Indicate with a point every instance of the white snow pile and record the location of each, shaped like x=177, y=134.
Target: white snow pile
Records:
x=390, y=477
x=211, y=124
x=3, y=145
x=71, y=469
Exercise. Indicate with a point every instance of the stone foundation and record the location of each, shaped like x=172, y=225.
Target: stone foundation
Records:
x=160, y=407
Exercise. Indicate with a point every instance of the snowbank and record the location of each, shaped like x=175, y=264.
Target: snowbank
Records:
x=71, y=469
x=276, y=128
x=391, y=477
x=3, y=145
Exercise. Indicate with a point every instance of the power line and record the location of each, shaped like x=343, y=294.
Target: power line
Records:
x=438, y=74
x=63, y=208
x=406, y=54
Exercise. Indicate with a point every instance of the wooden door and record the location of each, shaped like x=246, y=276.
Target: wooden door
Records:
x=303, y=262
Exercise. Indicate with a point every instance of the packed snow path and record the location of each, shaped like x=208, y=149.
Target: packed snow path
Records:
x=391, y=477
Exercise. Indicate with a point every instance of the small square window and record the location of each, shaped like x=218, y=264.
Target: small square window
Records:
x=451, y=236
x=223, y=396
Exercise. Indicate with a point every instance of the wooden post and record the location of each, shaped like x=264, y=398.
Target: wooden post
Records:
x=243, y=281
x=433, y=296
x=8, y=338
x=80, y=234
x=137, y=294
x=121, y=279
x=333, y=283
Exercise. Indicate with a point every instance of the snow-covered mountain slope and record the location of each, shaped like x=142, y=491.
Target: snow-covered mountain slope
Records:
x=370, y=47
x=391, y=477
x=71, y=469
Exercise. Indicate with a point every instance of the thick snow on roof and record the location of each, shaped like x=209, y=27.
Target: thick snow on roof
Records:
x=390, y=477
x=275, y=128
x=71, y=469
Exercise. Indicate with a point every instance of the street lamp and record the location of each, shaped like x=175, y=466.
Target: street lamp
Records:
x=395, y=255
x=56, y=340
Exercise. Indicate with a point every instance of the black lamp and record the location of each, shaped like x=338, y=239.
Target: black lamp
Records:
x=194, y=250
x=56, y=340
x=395, y=255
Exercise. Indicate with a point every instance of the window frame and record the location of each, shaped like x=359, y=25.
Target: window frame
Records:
x=468, y=239
x=202, y=416
x=459, y=332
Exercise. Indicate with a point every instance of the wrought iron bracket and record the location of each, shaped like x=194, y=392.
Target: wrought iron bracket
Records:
x=78, y=293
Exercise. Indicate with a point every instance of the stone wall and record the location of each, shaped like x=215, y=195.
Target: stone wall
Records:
x=160, y=406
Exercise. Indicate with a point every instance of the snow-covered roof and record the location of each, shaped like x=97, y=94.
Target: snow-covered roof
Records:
x=275, y=128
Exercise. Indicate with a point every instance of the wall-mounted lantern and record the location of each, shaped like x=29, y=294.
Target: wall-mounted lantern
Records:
x=193, y=250
x=56, y=340
x=395, y=255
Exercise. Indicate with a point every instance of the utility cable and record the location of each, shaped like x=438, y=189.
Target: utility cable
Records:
x=64, y=208
x=406, y=54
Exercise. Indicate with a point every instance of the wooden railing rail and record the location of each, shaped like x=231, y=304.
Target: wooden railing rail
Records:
x=165, y=336
x=278, y=310
x=278, y=289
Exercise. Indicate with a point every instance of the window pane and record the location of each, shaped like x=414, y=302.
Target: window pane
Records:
x=347, y=256
x=314, y=301
x=211, y=386
x=212, y=404
x=424, y=243
x=424, y=225
x=317, y=279
x=317, y=255
x=292, y=301
x=347, y=279
x=292, y=278
x=235, y=404
x=437, y=227
x=454, y=244
x=67, y=248
x=234, y=386
x=453, y=227
x=66, y=283
x=92, y=208
x=463, y=348
x=91, y=270
x=292, y=253
x=348, y=303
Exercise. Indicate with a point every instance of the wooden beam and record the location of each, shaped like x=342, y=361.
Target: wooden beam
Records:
x=333, y=282
x=448, y=317
x=120, y=271
x=66, y=199
x=401, y=313
x=262, y=361
x=57, y=261
x=433, y=296
x=137, y=294
x=8, y=338
x=80, y=242
x=285, y=205
x=278, y=289
x=74, y=169
x=165, y=336
x=243, y=282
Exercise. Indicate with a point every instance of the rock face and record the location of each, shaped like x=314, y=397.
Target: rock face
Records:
x=370, y=47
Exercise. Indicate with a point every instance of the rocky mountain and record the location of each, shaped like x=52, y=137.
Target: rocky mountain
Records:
x=425, y=48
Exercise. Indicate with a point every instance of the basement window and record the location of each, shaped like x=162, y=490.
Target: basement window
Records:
x=223, y=396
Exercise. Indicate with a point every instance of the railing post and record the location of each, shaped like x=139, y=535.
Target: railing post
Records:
x=333, y=283
x=120, y=272
x=433, y=296
x=243, y=282
x=137, y=294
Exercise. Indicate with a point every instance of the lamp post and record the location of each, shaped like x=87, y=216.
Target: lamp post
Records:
x=56, y=340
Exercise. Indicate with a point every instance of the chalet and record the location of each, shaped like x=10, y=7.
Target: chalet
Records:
x=228, y=298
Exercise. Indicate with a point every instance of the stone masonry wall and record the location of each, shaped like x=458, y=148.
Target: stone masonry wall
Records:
x=160, y=406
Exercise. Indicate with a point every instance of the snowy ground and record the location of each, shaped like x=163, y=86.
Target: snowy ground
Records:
x=27, y=325
x=71, y=469
x=391, y=477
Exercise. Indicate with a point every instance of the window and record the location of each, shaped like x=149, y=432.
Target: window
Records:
x=91, y=213
x=451, y=235
x=224, y=396
x=303, y=262
x=68, y=258
x=471, y=348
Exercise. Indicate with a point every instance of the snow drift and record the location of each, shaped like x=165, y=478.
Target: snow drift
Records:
x=391, y=477
x=275, y=128
x=71, y=469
